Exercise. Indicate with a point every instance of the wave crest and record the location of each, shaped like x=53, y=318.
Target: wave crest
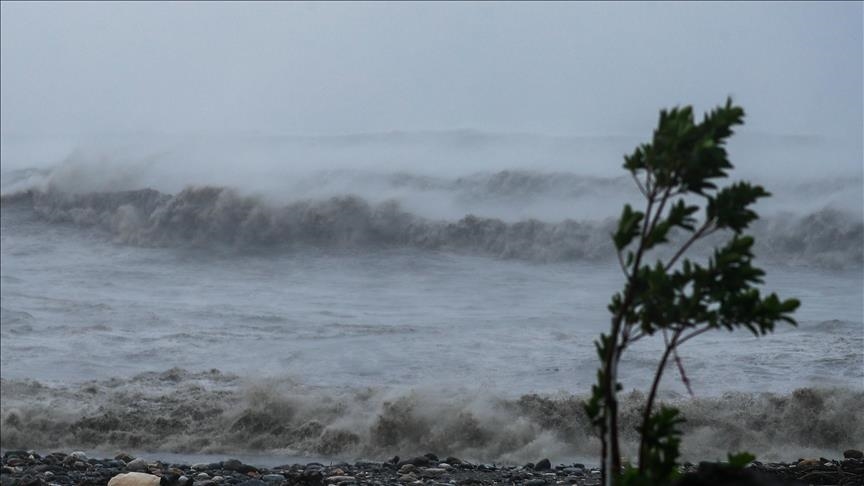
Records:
x=210, y=412
x=202, y=216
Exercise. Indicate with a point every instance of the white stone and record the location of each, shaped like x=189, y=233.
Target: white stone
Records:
x=340, y=479
x=134, y=479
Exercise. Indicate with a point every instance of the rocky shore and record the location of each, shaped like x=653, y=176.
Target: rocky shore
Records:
x=28, y=468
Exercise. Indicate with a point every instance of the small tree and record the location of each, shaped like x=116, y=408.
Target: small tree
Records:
x=674, y=297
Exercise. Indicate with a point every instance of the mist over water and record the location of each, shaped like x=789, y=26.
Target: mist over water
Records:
x=358, y=230
x=364, y=308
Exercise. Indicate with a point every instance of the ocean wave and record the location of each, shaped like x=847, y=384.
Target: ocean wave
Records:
x=202, y=216
x=211, y=412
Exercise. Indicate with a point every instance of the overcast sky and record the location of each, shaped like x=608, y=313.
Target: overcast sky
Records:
x=558, y=68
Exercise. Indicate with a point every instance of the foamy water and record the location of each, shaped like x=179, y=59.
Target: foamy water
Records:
x=363, y=313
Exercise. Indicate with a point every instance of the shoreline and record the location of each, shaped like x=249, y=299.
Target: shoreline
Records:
x=28, y=468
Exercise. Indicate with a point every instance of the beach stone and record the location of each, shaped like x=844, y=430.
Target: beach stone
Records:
x=253, y=482
x=15, y=453
x=453, y=461
x=218, y=478
x=137, y=465
x=340, y=479
x=407, y=468
x=432, y=472
x=231, y=465
x=419, y=461
x=269, y=478
x=135, y=479
x=543, y=465
x=78, y=456
x=30, y=481
x=853, y=454
x=202, y=476
x=337, y=472
x=124, y=457
x=535, y=482
x=809, y=462
x=431, y=457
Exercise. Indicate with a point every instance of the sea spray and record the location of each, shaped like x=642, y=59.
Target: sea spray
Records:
x=212, y=412
x=202, y=216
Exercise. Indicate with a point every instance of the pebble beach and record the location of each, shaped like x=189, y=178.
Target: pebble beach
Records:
x=29, y=468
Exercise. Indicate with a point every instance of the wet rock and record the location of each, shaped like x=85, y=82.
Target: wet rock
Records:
x=78, y=456
x=134, y=479
x=231, y=465
x=137, y=465
x=15, y=453
x=124, y=457
x=543, y=465
x=419, y=461
x=808, y=462
x=432, y=472
x=453, y=461
x=253, y=482
x=273, y=478
x=431, y=457
x=535, y=482
x=340, y=479
x=853, y=454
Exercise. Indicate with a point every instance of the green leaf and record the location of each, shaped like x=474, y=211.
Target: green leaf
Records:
x=628, y=227
x=741, y=460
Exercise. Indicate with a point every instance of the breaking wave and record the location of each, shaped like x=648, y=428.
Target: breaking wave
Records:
x=201, y=216
x=207, y=215
x=211, y=412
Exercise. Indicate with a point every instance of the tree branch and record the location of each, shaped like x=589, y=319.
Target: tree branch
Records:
x=652, y=396
x=695, y=236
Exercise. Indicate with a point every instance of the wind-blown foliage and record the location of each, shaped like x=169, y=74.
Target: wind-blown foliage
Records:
x=674, y=296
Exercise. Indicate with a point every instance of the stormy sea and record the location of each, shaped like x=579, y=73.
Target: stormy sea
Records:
x=368, y=295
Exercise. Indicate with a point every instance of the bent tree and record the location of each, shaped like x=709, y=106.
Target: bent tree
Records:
x=674, y=297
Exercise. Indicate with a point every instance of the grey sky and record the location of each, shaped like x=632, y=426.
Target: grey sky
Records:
x=572, y=68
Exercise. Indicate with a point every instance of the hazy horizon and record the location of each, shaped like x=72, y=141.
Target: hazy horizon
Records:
x=337, y=69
